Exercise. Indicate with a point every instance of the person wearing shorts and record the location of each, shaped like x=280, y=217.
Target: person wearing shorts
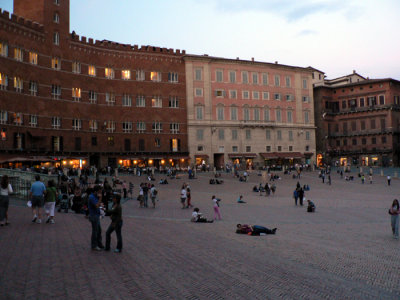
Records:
x=50, y=201
x=37, y=199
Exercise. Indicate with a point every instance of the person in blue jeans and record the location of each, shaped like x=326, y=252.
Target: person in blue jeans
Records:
x=94, y=218
x=116, y=224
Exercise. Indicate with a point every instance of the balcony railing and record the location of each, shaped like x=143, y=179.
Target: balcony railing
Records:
x=362, y=133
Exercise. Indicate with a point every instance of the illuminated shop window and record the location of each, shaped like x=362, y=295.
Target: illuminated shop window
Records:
x=76, y=94
x=92, y=70
x=155, y=76
x=18, y=84
x=109, y=73
x=56, y=63
x=33, y=58
x=18, y=54
x=3, y=81
x=126, y=74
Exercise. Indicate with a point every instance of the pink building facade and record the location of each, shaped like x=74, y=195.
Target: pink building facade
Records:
x=249, y=113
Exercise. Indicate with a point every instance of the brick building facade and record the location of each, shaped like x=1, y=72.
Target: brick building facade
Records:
x=249, y=113
x=358, y=122
x=65, y=97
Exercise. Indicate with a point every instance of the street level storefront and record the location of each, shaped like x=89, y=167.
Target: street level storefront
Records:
x=158, y=162
x=201, y=159
x=282, y=158
x=242, y=160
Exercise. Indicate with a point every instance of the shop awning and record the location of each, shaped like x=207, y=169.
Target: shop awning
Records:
x=240, y=155
x=282, y=155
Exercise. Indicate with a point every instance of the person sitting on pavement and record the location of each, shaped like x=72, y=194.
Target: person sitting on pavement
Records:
x=240, y=199
x=311, y=206
x=197, y=217
x=254, y=230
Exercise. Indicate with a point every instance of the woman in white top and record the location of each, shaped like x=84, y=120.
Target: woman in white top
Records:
x=183, y=195
x=5, y=191
x=216, y=208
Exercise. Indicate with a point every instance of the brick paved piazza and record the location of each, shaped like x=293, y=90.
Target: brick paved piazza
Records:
x=343, y=251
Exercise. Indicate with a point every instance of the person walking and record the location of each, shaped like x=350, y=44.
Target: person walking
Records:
x=50, y=201
x=116, y=224
x=94, y=218
x=36, y=195
x=131, y=189
x=301, y=195
x=124, y=189
x=295, y=196
x=5, y=191
x=394, y=212
x=216, y=207
x=388, y=180
x=183, y=196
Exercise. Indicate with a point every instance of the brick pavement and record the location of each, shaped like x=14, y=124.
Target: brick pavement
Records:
x=343, y=251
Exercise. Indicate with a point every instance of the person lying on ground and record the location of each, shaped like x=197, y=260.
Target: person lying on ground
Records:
x=254, y=230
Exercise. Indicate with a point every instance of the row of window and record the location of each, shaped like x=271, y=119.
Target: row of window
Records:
x=57, y=142
x=246, y=77
x=234, y=134
x=110, y=98
x=358, y=102
x=246, y=114
x=108, y=126
x=358, y=125
x=362, y=141
x=248, y=149
x=90, y=70
x=255, y=95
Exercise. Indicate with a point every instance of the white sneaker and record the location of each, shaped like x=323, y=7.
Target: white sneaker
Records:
x=38, y=221
x=52, y=221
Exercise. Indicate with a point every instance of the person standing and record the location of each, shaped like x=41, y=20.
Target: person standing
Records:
x=394, y=212
x=50, y=201
x=301, y=195
x=94, y=218
x=295, y=196
x=183, y=195
x=188, y=197
x=216, y=208
x=36, y=195
x=116, y=224
x=131, y=189
x=145, y=194
x=389, y=179
x=124, y=189
x=5, y=191
x=153, y=195
x=370, y=179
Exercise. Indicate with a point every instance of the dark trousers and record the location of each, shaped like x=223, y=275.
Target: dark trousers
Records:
x=110, y=230
x=4, y=202
x=96, y=240
x=261, y=229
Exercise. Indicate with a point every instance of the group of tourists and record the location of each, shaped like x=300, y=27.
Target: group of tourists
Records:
x=146, y=190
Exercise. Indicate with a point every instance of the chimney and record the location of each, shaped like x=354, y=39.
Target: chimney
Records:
x=276, y=62
x=252, y=59
x=354, y=71
x=237, y=58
